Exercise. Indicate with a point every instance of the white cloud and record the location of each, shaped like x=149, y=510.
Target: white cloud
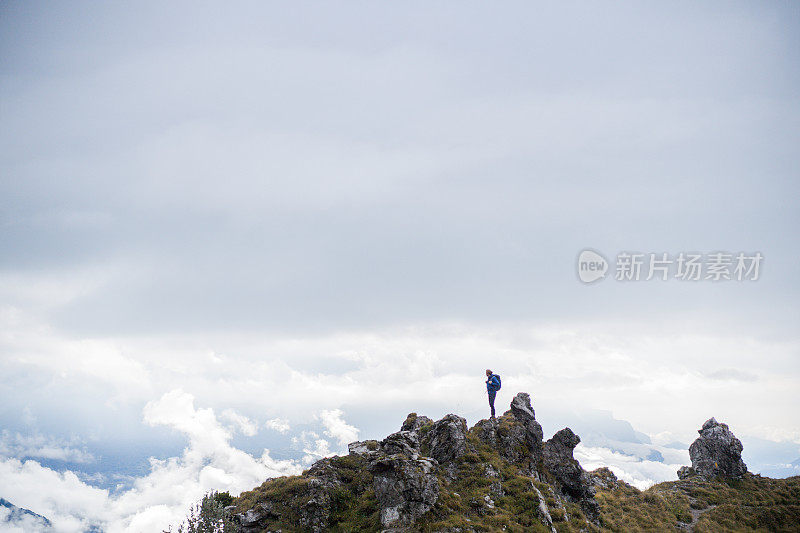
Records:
x=243, y=424
x=775, y=433
x=65, y=500
x=281, y=425
x=161, y=497
x=43, y=447
x=28, y=417
x=337, y=428
x=562, y=367
x=640, y=473
x=314, y=448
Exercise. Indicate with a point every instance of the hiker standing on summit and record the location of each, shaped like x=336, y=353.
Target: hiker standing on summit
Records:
x=492, y=386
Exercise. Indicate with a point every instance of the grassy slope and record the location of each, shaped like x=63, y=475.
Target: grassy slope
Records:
x=750, y=504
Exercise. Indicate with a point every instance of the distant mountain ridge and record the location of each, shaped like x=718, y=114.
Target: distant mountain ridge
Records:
x=19, y=515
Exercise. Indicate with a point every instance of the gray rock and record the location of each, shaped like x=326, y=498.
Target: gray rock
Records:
x=531, y=435
x=415, y=422
x=447, y=439
x=406, y=488
x=489, y=501
x=685, y=472
x=524, y=414
x=363, y=447
x=516, y=435
x=573, y=481
x=604, y=479
x=560, y=462
x=493, y=475
x=250, y=520
x=315, y=511
x=405, y=442
x=521, y=407
x=717, y=452
x=487, y=431
x=543, y=511
x=405, y=484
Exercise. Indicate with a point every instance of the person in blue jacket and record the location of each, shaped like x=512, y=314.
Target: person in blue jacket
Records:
x=492, y=386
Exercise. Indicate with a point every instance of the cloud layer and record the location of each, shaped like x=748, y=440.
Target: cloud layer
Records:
x=267, y=388
x=160, y=498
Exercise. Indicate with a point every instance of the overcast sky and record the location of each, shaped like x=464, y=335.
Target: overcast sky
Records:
x=286, y=225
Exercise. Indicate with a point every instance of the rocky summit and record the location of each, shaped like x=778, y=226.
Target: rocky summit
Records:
x=715, y=453
x=501, y=475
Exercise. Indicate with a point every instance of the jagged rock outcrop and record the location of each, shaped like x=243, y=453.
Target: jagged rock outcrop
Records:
x=405, y=442
x=447, y=439
x=415, y=422
x=716, y=452
x=521, y=408
x=404, y=487
x=441, y=477
x=500, y=466
x=516, y=435
x=404, y=482
x=573, y=481
x=560, y=462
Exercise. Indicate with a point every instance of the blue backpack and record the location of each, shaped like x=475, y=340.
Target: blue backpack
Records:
x=499, y=383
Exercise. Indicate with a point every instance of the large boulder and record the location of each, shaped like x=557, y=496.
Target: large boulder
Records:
x=717, y=452
x=404, y=482
x=406, y=488
x=567, y=473
x=447, y=439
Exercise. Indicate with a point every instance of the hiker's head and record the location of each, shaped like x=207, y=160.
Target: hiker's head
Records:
x=488, y=372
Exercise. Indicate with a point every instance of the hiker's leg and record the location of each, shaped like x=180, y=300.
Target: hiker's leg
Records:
x=491, y=401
